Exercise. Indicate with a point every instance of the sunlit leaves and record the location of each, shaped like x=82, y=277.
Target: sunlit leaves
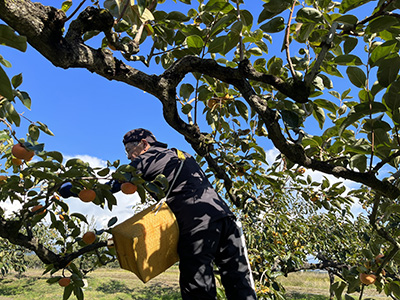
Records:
x=382, y=23
x=221, y=6
x=348, y=60
x=309, y=15
x=347, y=5
x=5, y=85
x=356, y=76
x=9, y=38
x=388, y=70
x=273, y=8
x=381, y=51
x=195, y=44
x=360, y=111
x=66, y=5
x=275, y=25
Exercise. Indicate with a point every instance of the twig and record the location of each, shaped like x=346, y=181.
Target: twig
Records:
x=11, y=130
x=241, y=54
x=74, y=12
x=287, y=41
x=326, y=45
x=123, y=11
x=386, y=160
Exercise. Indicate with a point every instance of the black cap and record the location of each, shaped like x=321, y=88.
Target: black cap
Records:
x=136, y=135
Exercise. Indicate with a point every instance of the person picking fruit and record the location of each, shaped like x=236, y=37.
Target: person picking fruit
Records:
x=208, y=231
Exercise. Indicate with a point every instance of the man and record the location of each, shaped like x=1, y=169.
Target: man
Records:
x=208, y=232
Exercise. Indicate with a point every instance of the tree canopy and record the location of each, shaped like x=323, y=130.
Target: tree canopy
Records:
x=218, y=67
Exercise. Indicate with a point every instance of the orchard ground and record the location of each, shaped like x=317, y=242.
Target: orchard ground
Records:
x=114, y=283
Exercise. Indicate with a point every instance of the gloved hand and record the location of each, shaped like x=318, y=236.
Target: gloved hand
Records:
x=65, y=190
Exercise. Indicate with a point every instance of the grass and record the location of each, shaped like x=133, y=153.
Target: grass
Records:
x=103, y=284
x=315, y=286
x=118, y=284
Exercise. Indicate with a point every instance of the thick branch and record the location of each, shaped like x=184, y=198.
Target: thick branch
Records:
x=9, y=230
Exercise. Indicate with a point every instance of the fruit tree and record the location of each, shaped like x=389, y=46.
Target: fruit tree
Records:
x=326, y=98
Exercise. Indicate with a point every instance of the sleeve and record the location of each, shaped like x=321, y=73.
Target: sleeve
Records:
x=65, y=190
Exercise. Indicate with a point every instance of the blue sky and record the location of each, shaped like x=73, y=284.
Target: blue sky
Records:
x=89, y=114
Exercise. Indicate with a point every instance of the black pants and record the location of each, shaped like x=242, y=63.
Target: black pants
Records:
x=219, y=243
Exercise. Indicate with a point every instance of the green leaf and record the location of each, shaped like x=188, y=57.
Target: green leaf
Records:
x=242, y=109
x=68, y=291
x=347, y=5
x=346, y=19
x=381, y=23
x=332, y=107
x=388, y=70
x=16, y=80
x=66, y=5
x=53, y=280
x=360, y=111
x=382, y=51
x=80, y=217
x=356, y=76
x=177, y=16
x=348, y=60
x=220, y=6
x=290, y=118
x=13, y=115
x=392, y=96
x=25, y=99
x=309, y=15
x=141, y=6
x=319, y=115
x=5, y=85
x=103, y=172
x=349, y=44
x=44, y=128
x=195, y=44
x=246, y=17
x=224, y=22
x=4, y=62
x=273, y=8
x=358, y=161
x=217, y=45
x=78, y=292
x=187, y=108
x=9, y=38
x=275, y=25
x=34, y=132
x=55, y=155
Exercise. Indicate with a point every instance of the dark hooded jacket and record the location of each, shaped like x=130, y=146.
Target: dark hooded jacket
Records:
x=193, y=200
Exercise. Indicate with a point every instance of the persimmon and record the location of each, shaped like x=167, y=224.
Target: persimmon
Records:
x=89, y=237
x=19, y=151
x=87, y=195
x=301, y=170
x=379, y=258
x=214, y=103
x=65, y=281
x=241, y=171
x=38, y=207
x=3, y=179
x=128, y=188
x=367, y=279
x=16, y=161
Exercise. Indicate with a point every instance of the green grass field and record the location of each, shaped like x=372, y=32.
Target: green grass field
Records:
x=117, y=284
